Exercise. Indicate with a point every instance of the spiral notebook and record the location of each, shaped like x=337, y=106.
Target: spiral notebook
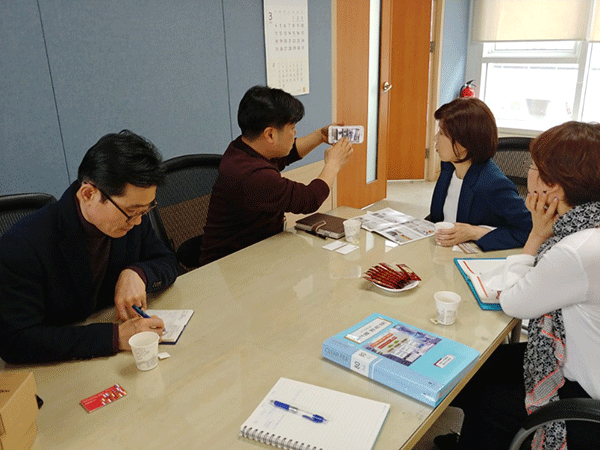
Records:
x=351, y=422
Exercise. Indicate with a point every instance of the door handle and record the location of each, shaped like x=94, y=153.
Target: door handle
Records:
x=386, y=86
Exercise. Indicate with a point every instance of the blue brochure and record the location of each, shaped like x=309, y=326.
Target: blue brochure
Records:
x=414, y=362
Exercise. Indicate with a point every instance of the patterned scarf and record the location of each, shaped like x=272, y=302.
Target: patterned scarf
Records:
x=545, y=352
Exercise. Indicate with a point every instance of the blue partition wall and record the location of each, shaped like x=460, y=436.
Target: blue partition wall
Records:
x=174, y=72
x=31, y=153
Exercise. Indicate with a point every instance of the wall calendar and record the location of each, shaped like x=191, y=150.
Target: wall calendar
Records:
x=286, y=45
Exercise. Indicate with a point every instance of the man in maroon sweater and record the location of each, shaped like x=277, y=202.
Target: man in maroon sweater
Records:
x=250, y=196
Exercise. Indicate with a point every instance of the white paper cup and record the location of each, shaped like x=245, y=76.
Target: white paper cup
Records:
x=144, y=347
x=352, y=230
x=446, y=304
x=442, y=226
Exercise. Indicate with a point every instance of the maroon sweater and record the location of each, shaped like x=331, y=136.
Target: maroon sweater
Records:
x=249, y=200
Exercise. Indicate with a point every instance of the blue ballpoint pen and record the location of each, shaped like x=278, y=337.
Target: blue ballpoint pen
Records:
x=310, y=416
x=139, y=310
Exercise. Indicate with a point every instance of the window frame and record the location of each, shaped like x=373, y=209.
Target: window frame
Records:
x=580, y=55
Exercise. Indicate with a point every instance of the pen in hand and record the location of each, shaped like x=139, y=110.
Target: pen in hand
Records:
x=310, y=416
x=139, y=310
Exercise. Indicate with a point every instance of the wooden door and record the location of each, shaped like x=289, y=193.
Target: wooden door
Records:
x=351, y=94
x=410, y=52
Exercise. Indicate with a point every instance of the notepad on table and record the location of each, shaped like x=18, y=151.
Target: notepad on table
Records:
x=322, y=224
x=351, y=422
x=475, y=271
x=175, y=321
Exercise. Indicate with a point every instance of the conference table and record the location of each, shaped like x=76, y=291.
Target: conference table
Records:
x=260, y=314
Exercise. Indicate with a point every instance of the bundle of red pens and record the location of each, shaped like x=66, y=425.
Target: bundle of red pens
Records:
x=387, y=276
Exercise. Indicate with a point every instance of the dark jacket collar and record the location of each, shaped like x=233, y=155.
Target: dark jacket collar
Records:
x=72, y=243
x=467, y=194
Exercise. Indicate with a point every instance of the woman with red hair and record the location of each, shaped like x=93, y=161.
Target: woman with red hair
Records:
x=554, y=283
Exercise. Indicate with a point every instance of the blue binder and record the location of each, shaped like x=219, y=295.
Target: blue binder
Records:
x=482, y=305
x=417, y=363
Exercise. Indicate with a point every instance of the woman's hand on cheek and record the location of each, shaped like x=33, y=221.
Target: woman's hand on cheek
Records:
x=543, y=208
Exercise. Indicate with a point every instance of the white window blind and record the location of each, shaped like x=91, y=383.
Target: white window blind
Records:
x=534, y=20
x=595, y=32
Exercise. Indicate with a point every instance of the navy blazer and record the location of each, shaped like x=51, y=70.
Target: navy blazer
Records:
x=46, y=283
x=487, y=197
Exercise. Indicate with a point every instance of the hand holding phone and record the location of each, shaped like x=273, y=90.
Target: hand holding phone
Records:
x=354, y=133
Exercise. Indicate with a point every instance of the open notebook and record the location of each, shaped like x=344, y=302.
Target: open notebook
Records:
x=475, y=271
x=351, y=422
x=175, y=321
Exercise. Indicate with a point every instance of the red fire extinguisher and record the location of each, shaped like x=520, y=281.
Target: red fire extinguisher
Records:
x=467, y=89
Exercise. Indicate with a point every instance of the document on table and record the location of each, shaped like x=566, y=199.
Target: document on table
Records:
x=175, y=321
x=396, y=226
x=341, y=247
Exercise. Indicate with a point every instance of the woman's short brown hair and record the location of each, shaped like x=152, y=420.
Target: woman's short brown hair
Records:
x=469, y=122
x=569, y=155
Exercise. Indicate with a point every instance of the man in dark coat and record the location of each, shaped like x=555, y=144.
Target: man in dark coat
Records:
x=91, y=249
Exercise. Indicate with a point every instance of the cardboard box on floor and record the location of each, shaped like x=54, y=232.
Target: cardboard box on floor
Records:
x=18, y=410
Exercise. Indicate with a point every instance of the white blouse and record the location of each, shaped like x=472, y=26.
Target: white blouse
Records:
x=452, y=197
x=566, y=277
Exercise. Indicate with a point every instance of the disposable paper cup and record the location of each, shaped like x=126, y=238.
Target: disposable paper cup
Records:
x=443, y=226
x=446, y=304
x=144, y=347
x=352, y=230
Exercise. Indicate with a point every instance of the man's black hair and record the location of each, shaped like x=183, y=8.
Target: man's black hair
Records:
x=121, y=158
x=263, y=107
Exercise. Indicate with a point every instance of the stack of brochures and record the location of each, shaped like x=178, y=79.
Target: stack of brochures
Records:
x=396, y=226
x=412, y=361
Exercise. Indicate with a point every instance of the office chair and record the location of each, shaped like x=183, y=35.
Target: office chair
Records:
x=585, y=409
x=16, y=206
x=514, y=159
x=183, y=201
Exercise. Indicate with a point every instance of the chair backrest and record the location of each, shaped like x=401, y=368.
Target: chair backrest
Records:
x=514, y=159
x=580, y=409
x=184, y=197
x=16, y=206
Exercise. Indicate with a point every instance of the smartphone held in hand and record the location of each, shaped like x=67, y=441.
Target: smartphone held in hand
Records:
x=354, y=133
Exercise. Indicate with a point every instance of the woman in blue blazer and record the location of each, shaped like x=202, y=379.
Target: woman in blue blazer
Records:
x=472, y=191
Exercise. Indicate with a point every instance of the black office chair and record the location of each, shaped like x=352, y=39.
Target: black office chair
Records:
x=16, y=206
x=514, y=159
x=183, y=202
x=584, y=409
